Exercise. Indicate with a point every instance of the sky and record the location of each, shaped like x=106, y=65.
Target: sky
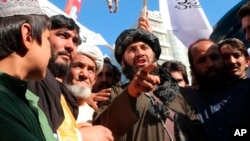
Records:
x=95, y=15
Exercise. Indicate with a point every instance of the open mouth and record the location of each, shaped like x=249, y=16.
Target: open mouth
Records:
x=140, y=62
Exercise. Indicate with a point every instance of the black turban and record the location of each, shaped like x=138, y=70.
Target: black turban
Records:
x=130, y=36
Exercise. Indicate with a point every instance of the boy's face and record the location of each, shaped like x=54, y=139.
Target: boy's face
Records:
x=177, y=75
x=39, y=57
x=235, y=60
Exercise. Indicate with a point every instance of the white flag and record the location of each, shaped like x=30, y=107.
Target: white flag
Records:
x=186, y=19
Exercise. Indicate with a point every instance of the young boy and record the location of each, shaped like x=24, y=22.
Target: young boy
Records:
x=24, y=55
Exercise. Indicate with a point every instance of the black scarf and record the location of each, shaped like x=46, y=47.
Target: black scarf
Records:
x=166, y=92
x=49, y=91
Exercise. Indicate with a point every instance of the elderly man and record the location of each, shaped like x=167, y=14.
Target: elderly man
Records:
x=139, y=110
x=86, y=65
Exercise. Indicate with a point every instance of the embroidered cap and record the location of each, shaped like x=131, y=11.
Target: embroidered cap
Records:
x=19, y=7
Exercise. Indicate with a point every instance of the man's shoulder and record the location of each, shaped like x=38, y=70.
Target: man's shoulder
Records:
x=47, y=85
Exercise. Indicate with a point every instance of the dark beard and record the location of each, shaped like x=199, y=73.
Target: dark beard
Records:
x=211, y=83
x=59, y=70
x=129, y=71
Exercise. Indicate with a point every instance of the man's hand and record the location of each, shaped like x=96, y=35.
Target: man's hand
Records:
x=96, y=133
x=102, y=95
x=143, y=81
x=143, y=23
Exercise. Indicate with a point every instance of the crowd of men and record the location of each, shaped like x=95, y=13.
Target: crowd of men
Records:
x=54, y=87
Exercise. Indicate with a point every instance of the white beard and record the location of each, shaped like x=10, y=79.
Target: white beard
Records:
x=79, y=92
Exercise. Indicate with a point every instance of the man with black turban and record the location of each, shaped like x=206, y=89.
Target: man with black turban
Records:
x=140, y=110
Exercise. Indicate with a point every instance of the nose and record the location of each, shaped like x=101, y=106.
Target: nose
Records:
x=83, y=72
x=232, y=60
x=210, y=62
x=139, y=53
x=70, y=46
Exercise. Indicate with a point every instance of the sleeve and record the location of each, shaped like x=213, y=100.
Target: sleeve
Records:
x=13, y=130
x=17, y=120
x=181, y=103
x=120, y=115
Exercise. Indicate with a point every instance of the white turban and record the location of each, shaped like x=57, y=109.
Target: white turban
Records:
x=94, y=53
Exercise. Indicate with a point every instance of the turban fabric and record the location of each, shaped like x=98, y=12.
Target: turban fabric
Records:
x=130, y=36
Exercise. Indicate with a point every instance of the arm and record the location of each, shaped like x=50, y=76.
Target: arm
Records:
x=13, y=131
x=118, y=116
x=122, y=112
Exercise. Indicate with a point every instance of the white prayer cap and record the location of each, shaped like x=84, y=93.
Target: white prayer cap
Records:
x=94, y=53
x=19, y=7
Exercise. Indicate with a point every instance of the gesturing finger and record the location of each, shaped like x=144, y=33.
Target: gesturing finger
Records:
x=149, y=68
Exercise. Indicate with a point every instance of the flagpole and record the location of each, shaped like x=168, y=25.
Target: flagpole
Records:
x=144, y=9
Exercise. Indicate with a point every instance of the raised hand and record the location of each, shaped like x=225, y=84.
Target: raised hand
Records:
x=143, y=81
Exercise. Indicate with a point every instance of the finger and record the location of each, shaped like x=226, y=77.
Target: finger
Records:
x=100, y=98
x=109, y=135
x=105, y=90
x=149, y=78
x=103, y=94
x=145, y=75
x=93, y=104
x=145, y=85
x=110, y=138
x=149, y=68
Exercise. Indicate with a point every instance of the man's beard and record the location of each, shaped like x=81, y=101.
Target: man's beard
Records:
x=78, y=91
x=59, y=70
x=211, y=83
x=129, y=71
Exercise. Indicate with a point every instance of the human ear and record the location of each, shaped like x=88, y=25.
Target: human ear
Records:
x=122, y=63
x=26, y=37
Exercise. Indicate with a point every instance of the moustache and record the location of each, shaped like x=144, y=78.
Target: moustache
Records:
x=67, y=53
x=81, y=78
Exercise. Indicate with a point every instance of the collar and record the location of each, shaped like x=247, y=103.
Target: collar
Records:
x=17, y=86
